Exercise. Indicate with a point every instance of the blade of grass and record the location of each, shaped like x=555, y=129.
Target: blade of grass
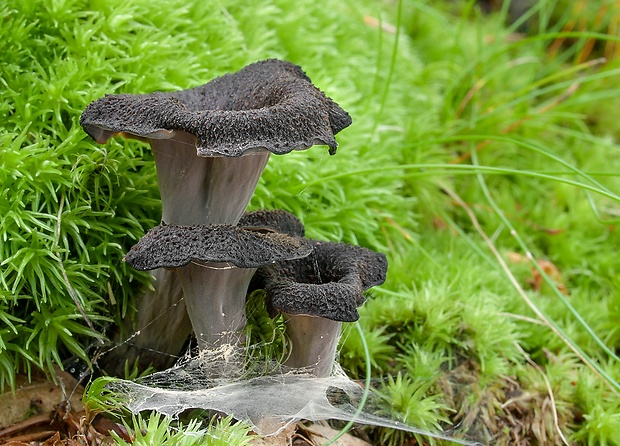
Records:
x=526, y=144
x=465, y=236
x=456, y=169
x=547, y=279
x=393, y=58
x=613, y=384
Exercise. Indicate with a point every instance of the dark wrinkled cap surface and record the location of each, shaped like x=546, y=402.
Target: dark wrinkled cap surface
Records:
x=270, y=105
x=328, y=283
x=272, y=220
x=170, y=246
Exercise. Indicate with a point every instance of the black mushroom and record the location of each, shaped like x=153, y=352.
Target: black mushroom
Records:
x=215, y=264
x=316, y=294
x=211, y=144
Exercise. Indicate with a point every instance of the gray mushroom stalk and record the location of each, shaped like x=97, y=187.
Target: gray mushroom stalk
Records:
x=316, y=294
x=211, y=145
x=215, y=264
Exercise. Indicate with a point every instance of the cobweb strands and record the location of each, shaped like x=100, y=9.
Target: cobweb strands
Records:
x=268, y=403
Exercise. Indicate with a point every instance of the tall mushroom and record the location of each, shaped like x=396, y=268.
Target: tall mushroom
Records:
x=215, y=264
x=211, y=144
x=316, y=294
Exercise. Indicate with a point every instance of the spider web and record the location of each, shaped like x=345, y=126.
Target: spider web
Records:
x=233, y=380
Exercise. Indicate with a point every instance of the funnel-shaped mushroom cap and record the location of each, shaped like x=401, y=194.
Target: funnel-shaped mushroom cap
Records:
x=170, y=246
x=269, y=105
x=274, y=220
x=328, y=283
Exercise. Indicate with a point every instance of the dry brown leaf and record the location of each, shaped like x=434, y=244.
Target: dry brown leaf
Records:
x=552, y=271
x=53, y=440
x=308, y=435
x=537, y=281
x=376, y=23
x=281, y=439
x=40, y=396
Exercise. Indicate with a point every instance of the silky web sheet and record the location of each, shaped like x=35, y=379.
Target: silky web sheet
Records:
x=265, y=396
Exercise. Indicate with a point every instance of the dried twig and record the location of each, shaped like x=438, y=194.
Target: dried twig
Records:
x=549, y=390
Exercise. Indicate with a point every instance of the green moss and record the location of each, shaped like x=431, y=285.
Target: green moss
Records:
x=458, y=94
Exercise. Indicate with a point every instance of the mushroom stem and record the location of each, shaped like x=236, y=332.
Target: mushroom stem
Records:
x=215, y=299
x=204, y=190
x=156, y=319
x=313, y=343
x=196, y=190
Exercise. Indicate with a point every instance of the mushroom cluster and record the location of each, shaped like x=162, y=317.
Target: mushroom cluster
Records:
x=211, y=145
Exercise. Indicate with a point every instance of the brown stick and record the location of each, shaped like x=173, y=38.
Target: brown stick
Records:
x=25, y=424
x=32, y=436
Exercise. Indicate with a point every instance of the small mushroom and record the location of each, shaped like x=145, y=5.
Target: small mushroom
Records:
x=215, y=264
x=316, y=294
x=211, y=145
